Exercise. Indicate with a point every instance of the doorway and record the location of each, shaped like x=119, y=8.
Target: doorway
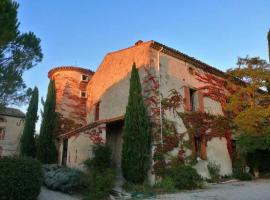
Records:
x=64, y=152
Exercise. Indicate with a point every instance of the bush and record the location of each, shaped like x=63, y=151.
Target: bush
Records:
x=99, y=184
x=214, y=171
x=63, y=179
x=20, y=178
x=185, y=177
x=241, y=175
x=165, y=185
x=239, y=168
x=102, y=158
x=100, y=176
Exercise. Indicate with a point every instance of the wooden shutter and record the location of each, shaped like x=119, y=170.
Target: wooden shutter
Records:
x=200, y=101
x=97, y=111
x=203, y=149
x=187, y=103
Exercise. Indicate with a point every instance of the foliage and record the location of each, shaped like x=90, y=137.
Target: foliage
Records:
x=242, y=176
x=185, y=177
x=204, y=124
x=251, y=143
x=136, y=134
x=20, y=178
x=214, y=171
x=18, y=53
x=102, y=158
x=27, y=146
x=165, y=185
x=63, y=179
x=248, y=103
x=99, y=184
x=268, y=38
x=46, y=150
x=100, y=176
x=239, y=167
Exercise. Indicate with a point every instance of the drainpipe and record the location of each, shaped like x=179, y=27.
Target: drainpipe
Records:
x=160, y=98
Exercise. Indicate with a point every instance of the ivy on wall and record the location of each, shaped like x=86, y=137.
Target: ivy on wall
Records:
x=198, y=124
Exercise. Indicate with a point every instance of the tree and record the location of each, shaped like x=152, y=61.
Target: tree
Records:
x=28, y=137
x=268, y=38
x=136, y=134
x=18, y=53
x=249, y=104
x=46, y=149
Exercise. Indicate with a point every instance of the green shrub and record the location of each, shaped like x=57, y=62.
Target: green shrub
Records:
x=20, y=178
x=185, y=177
x=63, y=179
x=239, y=168
x=99, y=184
x=241, y=175
x=165, y=185
x=100, y=176
x=214, y=171
x=102, y=158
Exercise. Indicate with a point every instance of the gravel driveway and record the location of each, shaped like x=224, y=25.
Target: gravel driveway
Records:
x=253, y=190
x=52, y=195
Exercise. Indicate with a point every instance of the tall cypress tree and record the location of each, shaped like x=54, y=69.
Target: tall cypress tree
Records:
x=28, y=140
x=136, y=134
x=46, y=149
x=268, y=38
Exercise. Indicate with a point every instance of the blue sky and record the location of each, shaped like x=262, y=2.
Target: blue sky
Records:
x=81, y=32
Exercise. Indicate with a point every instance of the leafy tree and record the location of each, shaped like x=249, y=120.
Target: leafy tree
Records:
x=28, y=137
x=46, y=150
x=18, y=53
x=249, y=103
x=136, y=136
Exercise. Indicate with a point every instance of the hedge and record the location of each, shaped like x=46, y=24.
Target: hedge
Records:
x=20, y=178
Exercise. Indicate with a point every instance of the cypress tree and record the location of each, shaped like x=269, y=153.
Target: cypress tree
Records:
x=46, y=149
x=136, y=134
x=28, y=137
x=268, y=38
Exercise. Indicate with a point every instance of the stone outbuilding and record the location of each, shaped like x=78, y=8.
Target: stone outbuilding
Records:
x=11, y=129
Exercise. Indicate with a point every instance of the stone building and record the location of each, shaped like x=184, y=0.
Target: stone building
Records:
x=11, y=129
x=95, y=103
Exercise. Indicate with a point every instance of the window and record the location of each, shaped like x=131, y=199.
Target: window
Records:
x=199, y=148
x=189, y=99
x=97, y=111
x=192, y=99
x=84, y=78
x=2, y=119
x=83, y=94
x=2, y=133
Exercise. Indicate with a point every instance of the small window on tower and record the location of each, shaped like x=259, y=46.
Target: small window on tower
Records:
x=2, y=133
x=83, y=94
x=85, y=78
x=97, y=111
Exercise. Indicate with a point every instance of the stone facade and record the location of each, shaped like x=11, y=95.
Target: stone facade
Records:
x=11, y=129
x=108, y=92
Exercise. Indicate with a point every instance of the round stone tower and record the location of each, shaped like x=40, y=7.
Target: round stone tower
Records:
x=71, y=96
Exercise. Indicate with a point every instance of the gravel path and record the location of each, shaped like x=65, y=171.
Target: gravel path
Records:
x=253, y=190
x=52, y=195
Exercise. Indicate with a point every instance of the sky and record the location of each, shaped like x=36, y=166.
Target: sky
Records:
x=82, y=32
